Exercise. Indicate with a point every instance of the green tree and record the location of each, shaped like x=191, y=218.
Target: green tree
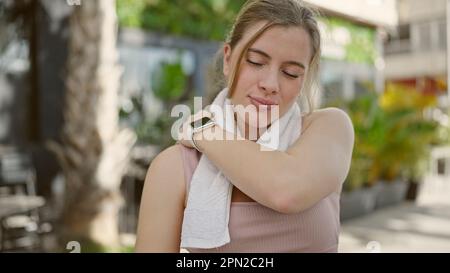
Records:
x=201, y=19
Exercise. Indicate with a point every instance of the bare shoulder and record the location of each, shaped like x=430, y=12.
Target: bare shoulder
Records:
x=328, y=120
x=330, y=125
x=168, y=161
x=168, y=158
x=166, y=172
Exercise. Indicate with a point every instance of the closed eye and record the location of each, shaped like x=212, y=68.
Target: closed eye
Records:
x=254, y=63
x=284, y=72
x=291, y=75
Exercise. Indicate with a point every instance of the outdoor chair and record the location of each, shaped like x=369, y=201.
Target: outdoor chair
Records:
x=19, y=211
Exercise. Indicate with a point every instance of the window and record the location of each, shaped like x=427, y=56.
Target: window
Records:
x=403, y=32
x=400, y=42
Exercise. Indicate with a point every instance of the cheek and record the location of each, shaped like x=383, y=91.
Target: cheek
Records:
x=239, y=97
x=247, y=76
x=291, y=91
x=245, y=83
x=289, y=98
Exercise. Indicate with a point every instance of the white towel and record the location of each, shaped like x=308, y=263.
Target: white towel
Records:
x=205, y=222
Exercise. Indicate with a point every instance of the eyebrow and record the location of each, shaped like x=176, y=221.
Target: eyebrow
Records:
x=254, y=50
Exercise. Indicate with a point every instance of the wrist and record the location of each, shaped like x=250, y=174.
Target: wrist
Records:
x=196, y=141
x=199, y=126
x=201, y=137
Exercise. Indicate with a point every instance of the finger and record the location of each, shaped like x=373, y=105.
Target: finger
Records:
x=201, y=114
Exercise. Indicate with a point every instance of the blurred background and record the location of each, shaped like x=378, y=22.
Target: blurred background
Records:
x=84, y=109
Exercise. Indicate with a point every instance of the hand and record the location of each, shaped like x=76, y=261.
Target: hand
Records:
x=185, y=131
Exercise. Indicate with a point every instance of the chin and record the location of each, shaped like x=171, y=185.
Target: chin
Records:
x=253, y=122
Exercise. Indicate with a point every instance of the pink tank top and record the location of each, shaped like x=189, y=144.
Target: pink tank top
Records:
x=256, y=228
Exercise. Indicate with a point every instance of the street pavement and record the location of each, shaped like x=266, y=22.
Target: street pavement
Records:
x=419, y=226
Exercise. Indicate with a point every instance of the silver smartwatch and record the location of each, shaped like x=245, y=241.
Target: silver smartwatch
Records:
x=200, y=125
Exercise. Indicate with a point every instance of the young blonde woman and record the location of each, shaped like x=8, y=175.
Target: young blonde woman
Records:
x=281, y=199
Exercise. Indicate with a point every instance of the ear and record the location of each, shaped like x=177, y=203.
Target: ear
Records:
x=226, y=60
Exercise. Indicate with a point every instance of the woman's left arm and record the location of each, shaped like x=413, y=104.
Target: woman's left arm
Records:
x=291, y=181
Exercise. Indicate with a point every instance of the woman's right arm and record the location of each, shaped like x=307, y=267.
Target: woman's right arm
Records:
x=162, y=204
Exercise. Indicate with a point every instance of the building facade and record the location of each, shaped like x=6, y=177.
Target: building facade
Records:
x=353, y=45
x=416, y=52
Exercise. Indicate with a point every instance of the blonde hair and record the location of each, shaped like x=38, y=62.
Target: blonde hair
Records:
x=286, y=13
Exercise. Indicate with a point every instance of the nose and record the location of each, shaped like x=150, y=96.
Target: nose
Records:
x=269, y=82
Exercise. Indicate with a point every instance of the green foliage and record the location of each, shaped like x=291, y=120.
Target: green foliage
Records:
x=130, y=12
x=169, y=81
x=201, y=19
x=156, y=132
x=361, y=46
x=443, y=135
x=170, y=85
x=390, y=142
x=410, y=133
x=362, y=112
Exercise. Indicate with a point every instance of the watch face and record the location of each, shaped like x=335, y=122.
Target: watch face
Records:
x=200, y=122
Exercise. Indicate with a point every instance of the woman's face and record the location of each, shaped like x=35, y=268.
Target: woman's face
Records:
x=271, y=72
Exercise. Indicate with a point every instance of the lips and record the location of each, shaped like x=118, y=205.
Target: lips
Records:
x=261, y=101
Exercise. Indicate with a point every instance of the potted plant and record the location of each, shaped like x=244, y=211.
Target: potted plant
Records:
x=358, y=197
x=405, y=142
x=359, y=193
x=392, y=140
